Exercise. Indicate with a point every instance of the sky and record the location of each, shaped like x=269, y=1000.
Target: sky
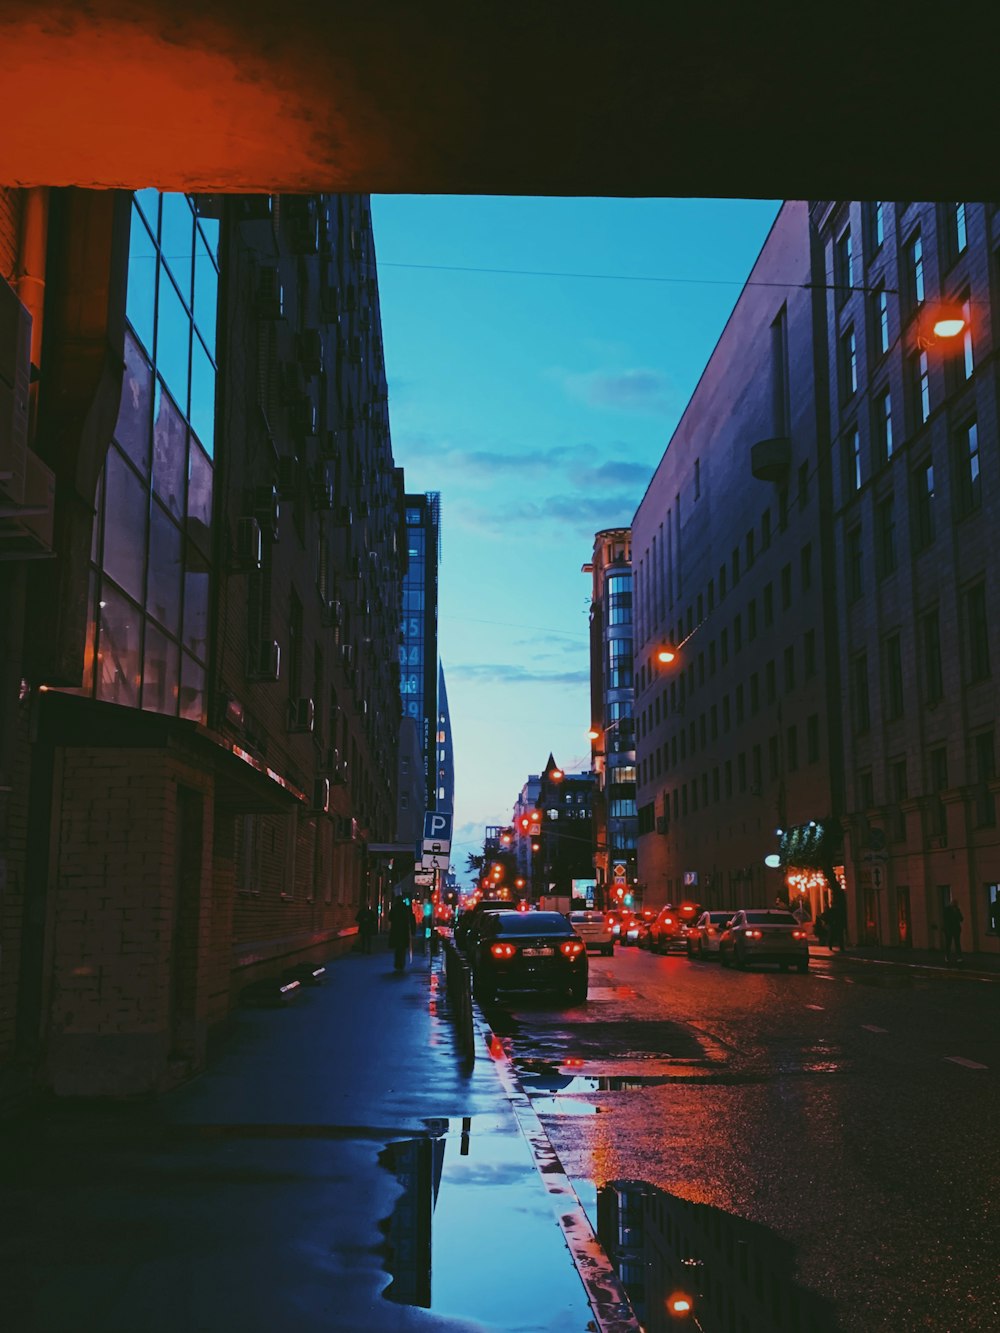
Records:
x=539, y=354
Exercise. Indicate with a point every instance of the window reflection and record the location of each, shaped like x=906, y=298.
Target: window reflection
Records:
x=177, y=240
x=202, y=395
x=173, y=337
x=192, y=696
x=169, y=453
x=132, y=428
x=118, y=650
x=196, y=604
x=199, y=496
x=140, y=300
x=206, y=290
x=160, y=670
x=163, y=598
x=124, y=525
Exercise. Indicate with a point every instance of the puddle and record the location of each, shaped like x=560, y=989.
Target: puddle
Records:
x=564, y=1106
x=469, y=1201
x=734, y=1274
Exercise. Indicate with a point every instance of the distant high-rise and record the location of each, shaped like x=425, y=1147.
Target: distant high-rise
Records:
x=418, y=651
x=445, y=750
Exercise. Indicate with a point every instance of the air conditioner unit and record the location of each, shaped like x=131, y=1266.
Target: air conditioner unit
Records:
x=301, y=715
x=321, y=796
x=26, y=528
x=662, y=824
x=15, y=379
x=332, y=613
x=270, y=294
x=264, y=662
x=311, y=351
x=248, y=543
x=267, y=509
x=288, y=477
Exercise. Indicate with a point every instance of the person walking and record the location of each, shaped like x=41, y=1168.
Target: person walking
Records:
x=366, y=927
x=400, y=927
x=837, y=923
x=952, y=918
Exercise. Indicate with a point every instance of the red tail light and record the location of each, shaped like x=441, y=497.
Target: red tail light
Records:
x=502, y=950
x=571, y=948
x=753, y=934
x=799, y=935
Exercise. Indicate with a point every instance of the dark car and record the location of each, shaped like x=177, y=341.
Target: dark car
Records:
x=468, y=923
x=767, y=935
x=528, y=951
x=667, y=930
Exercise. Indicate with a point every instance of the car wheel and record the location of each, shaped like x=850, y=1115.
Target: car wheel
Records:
x=740, y=960
x=802, y=967
x=608, y=951
x=578, y=992
x=484, y=992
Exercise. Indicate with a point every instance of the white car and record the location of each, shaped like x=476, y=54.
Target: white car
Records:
x=703, y=936
x=595, y=929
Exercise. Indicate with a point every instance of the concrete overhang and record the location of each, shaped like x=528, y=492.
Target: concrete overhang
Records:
x=562, y=97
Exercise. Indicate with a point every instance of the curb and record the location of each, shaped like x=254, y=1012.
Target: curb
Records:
x=611, y=1306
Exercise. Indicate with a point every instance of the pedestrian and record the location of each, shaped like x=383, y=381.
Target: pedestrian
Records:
x=400, y=927
x=366, y=927
x=837, y=923
x=953, y=919
x=823, y=926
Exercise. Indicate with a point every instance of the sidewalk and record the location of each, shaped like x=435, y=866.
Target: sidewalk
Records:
x=337, y=1168
x=979, y=964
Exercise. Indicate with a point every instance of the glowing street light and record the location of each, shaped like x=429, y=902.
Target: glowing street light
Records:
x=665, y=655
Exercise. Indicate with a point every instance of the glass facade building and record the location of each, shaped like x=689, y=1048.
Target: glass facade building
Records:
x=418, y=649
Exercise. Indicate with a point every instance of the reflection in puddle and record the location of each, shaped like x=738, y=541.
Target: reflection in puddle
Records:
x=736, y=1274
x=563, y=1106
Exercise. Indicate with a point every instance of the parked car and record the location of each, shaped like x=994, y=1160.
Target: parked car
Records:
x=764, y=935
x=468, y=923
x=703, y=936
x=528, y=951
x=595, y=929
x=667, y=930
x=645, y=916
x=633, y=926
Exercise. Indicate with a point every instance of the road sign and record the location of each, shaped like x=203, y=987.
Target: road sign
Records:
x=437, y=826
x=432, y=861
x=619, y=872
x=436, y=845
x=423, y=879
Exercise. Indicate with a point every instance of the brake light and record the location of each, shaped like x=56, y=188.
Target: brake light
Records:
x=502, y=950
x=753, y=934
x=799, y=935
x=668, y=920
x=571, y=948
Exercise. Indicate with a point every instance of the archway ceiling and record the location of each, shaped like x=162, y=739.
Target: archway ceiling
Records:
x=627, y=97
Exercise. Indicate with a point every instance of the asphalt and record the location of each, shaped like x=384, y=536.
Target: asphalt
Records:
x=339, y=1166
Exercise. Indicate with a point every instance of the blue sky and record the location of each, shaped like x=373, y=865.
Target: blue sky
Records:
x=539, y=407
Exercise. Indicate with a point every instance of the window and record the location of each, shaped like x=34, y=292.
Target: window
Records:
x=955, y=230
x=848, y=366
x=920, y=387
x=968, y=363
x=985, y=765
x=854, y=560
x=697, y=478
x=779, y=374
x=923, y=504
x=750, y=550
x=875, y=217
x=897, y=775
x=883, y=427
x=765, y=530
x=914, y=260
x=786, y=587
x=968, y=484
x=880, y=319
x=977, y=632
x=885, y=533
x=768, y=597
x=859, y=694
x=809, y=652
x=789, y=669
x=843, y=266
x=851, y=460
x=805, y=564
x=893, y=660
x=866, y=790
x=619, y=664
x=930, y=634
x=812, y=738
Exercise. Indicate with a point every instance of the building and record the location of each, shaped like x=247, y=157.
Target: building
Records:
x=915, y=504
x=445, y=751
x=526, y=825
x=203, y=736
x=418, y=652
x=612, y=734
x=564, y=863
x=740, y=734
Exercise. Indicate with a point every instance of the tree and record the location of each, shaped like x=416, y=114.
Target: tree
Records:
x=474, y=862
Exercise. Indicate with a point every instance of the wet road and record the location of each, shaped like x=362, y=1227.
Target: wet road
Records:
x=798, y=1152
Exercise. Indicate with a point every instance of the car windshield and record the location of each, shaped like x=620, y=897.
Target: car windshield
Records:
x=531, y=923
x=771, y=919
x=717, y=918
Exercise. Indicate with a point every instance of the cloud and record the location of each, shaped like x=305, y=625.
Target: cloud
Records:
x=502, y=673
x=581, y=514
x=637, y=390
